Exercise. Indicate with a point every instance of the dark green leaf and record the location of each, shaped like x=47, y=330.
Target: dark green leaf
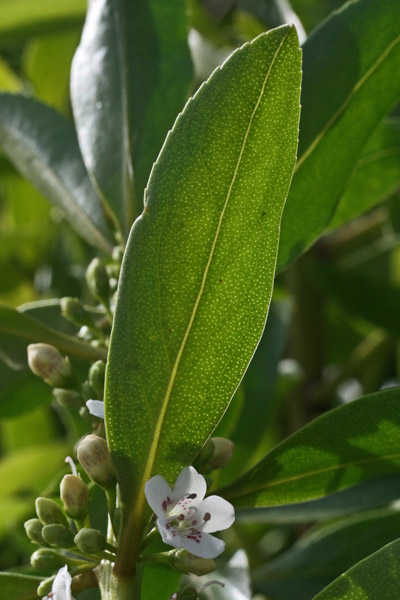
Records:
x=43, y=146
x=348, y=87
x=376, y=175
x=318, y=558
x=15, y=586
x=198, y=270
x=374, y=577
x=130, y=77
x=346, y=446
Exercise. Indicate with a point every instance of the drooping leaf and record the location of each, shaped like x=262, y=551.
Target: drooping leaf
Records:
x=318, y=558
x=18, y=329
x=122, y=96
x=374, y=577
x=197, y=274
x=346, y=446
x=23, y=18
x=376, y=175
x=348, y=88
x=15, y=586
x=43, y=146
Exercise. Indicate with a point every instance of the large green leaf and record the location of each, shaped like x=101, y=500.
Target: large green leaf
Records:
x=198, y=271
x=15, y=586
x=122, y=95
x=18, y=329
x=43, y=146
x=376, y=176
x=375, y=577
x=348, y=87
x=21, y=18
x=348, y=445
x=321, y=556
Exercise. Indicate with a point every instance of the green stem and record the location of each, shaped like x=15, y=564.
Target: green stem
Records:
x=149, y=538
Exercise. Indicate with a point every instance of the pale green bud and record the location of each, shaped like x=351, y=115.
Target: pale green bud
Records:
x=97, y=281
x=97, y=373
x=185, y=562
x=94, y=457
x=47, y=362
x=73, y=310
x=216, y=454
x=90, y=541
x=47, y=559
x=58, y=535
x=49, y=512
x=75, y=496
x=67, y=398
x=45, y=586
x=33, y=529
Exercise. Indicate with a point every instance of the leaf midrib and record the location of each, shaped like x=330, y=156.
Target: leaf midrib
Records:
x=301, y=476
x=358, y=85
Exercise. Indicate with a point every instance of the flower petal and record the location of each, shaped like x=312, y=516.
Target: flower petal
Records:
x=189, y=482
x=221, y=514
x=206, y=546
x=158, y=494
x=96, y=408
x=61, y=588
x=169, y=536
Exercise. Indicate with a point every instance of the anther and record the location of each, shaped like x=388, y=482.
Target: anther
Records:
x=191, y=496
x=207, y=516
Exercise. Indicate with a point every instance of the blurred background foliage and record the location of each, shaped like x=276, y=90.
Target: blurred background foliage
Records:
x=333, y=328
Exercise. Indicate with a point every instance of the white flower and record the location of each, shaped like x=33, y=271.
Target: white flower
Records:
x=96, y=408
x=184, y=518
x=61, y=589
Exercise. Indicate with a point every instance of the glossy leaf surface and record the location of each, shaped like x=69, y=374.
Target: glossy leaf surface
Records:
x=346, y=446
x=356, y=89
x=43, y=146
x=374, y=577
x=123, y=99
x=198, y=271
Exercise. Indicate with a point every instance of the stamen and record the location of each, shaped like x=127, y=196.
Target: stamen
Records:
x=72, y=465
x=207, y=516
x=181, y=517
x=213, y=582
x=191, y=496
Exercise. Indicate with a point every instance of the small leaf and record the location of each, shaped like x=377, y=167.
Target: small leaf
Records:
x=122, y=96
x=374, y=577
x=18, y=329
x=199, y=266
x=15, y=586
x=348, y=88
x=346, y=446
x=43, y=146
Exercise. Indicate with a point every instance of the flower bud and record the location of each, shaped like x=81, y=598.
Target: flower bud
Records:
x=72, y=310
x=33, y=529
x=75, y=496
x=45, y=586
x=185, y=562
x=46, y=362
x=47, y=559
x=216, y=454
x=94, y=456
x=97, y=374
x=49, y=512
x=58, y=535
x=67, y=398
x=90, y=541
x=97, y=281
